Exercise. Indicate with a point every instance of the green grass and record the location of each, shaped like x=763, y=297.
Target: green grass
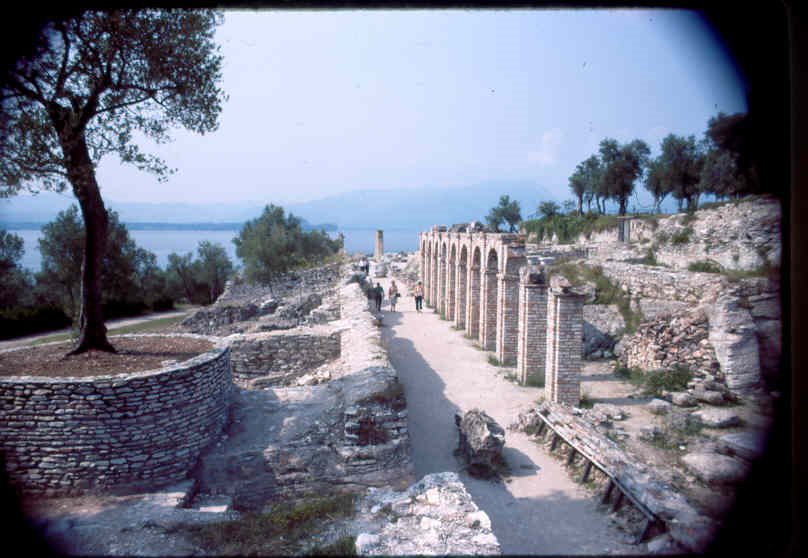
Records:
x=586, y=401
x=156, y=324
x=283, y=530
x=344, y=546
x=493, y=361
x=648, y=259
x=706, y=266
x=655, y=381
x=606, y=292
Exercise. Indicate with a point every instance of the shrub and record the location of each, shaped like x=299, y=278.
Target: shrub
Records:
x=673, y=379
x=28, y=320
x=706, y=266
x=493, y=361
x=682, y=236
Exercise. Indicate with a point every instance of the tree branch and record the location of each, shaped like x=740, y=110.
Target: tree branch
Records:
x=122, y=105
x=63, y=73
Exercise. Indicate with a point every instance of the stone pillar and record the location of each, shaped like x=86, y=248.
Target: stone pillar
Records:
x=433, y=282
x=449, y=298
x=441, y=298
x=460, y=296
x=473, y=298
x=507, y=318
x=488, y=310
x=531, y=346
x=564, y=331
x=379, y=252
x=427, y=276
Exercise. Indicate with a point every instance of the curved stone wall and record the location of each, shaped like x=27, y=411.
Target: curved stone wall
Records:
x=69, y=436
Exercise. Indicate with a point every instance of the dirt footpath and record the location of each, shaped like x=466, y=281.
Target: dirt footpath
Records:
x=539, y=509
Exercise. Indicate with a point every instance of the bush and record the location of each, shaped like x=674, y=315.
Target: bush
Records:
x=682, y=236
x=706, y=266
x=28, y=320
x=122, y=308
x=162, y=304
x=568, y=227
x=673, y=379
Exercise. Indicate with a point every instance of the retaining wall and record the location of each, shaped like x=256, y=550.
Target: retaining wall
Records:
x=280, y=357
x=121, y=433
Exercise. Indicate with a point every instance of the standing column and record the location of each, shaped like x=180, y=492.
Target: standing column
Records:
x=440, y=299
x=460, y=296
x=427, y=274
x=473, y=298
x=379, y=245
x=433, y=283
x=449, y=298
x=567, y=317
x=531, y=346
x=507, y=317
x=488, y=310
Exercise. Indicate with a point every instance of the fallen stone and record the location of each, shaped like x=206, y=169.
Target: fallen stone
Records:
x=659, y=407
x=715, y=468
x=747, y=445
x=435, y=516
x=717, y=418
x=682, y=399
x=709, y=397
x=611, y=412
x=481, y=441
x=695, y=533
x=663, y=544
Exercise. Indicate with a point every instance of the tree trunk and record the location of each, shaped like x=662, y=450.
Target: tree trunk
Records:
x=81, y=174
x=581, y=204
x=622, y=210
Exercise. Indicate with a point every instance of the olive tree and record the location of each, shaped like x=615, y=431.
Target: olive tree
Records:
x=93, y=80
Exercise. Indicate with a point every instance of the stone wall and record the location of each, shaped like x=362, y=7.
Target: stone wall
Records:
x=280, y=357
x=68, y=436
x=681, y=339
x=289, y=283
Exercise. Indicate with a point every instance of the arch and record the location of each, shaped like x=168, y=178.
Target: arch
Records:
x=440, y=295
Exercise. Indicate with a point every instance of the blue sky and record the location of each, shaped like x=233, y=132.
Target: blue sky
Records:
x=324, y=102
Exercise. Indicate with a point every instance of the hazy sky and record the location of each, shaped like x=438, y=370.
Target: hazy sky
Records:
x=326, y=102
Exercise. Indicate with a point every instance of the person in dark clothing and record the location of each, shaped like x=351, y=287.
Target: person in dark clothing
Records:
x=379, y=292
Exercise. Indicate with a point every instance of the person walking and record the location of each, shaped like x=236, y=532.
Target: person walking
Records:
x=392, y=294
x=418, y=291
x=379, y=290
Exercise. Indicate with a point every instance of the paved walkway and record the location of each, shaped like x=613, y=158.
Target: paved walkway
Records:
x=112, y=325
x=540, y=509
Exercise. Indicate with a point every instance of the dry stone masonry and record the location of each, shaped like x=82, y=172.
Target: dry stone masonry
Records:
x=69, y=436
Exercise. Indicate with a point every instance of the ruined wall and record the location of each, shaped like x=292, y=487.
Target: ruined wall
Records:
x=290, y=283
x=682, y=339
x=68, y=436
x=280, y=357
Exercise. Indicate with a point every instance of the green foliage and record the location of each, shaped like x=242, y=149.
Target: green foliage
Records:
x=344, y=546
x=493, y=361
x=730, y=168
x=274, y=243
x=535, y=380
x=16, y=283
x=648, y=259
x=682, y=236
x=199, y=280
x=568, y=227
x=586, y=401
x=28, y=320
x=507, y=211
x=130, y=277
x=634, y=375
x=281, y=531
x=622, y=166
x=706, y=266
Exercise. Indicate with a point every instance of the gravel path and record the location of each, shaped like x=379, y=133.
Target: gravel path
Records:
x=539, y=509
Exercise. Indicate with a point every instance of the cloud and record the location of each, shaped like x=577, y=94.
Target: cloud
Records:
x=547, y=153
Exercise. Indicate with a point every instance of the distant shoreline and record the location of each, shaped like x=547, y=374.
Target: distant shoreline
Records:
x=137, y=226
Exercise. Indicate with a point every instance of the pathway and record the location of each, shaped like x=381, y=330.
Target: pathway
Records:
x=540, y=510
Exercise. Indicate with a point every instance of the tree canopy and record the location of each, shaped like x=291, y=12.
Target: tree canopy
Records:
x=623, y=165
x=94, y=80
x=275, y=242
x=506, y=211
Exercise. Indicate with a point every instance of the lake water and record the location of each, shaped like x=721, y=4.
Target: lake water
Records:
x=164, y=242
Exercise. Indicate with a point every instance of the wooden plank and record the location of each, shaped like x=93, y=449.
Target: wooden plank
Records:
x=587, y=470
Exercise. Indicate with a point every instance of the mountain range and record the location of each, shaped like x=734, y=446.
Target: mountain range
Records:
x=403, y=209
